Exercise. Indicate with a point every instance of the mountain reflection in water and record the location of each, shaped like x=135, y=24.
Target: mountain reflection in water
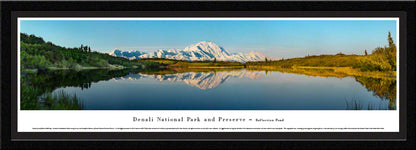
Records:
x=201, y=80
x=199, y=89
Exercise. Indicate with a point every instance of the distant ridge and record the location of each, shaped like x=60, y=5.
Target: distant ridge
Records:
x=198, y=52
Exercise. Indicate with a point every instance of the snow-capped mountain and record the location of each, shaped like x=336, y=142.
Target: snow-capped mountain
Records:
x=126, y=54
x=200, y=51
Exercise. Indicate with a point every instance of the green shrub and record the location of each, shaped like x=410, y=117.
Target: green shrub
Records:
x=38, y=54
x=375, y=62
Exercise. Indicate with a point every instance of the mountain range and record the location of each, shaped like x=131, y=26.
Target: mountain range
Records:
x=198, y=52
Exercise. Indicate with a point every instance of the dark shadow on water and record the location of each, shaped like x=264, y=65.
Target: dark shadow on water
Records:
x=383, y=88
x=35, y=84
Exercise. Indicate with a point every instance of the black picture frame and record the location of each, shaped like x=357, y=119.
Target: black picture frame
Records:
x=12, y=10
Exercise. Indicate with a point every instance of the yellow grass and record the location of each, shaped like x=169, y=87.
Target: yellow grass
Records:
x=339, y=72
x=214, y=66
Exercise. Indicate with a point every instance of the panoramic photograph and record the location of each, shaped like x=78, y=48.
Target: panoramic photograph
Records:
x=208, y=64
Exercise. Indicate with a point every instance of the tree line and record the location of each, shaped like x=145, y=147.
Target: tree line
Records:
x=380, y=59
x=35, y=53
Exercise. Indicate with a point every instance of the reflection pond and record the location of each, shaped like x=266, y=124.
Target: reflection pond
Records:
x=204, y=89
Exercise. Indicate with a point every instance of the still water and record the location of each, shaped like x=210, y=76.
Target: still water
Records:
x=231, y=90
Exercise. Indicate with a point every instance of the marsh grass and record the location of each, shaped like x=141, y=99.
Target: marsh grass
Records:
x=61, y=101
x=377, y=107
x=29, y=97
x=355, y=104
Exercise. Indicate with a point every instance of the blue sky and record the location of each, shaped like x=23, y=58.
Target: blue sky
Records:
x=273, y=38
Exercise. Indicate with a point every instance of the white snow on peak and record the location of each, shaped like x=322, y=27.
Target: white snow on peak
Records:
x=197, y=52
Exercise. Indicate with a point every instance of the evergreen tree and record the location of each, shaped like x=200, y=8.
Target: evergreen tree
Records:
x=391, y=42
x=391, y=52
x=85, y=48
x=365, y=52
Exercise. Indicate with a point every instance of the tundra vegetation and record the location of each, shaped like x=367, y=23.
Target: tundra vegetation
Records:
x=37, y=54
x=381, y=62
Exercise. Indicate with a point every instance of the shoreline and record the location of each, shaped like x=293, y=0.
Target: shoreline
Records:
x=306, y=70
x=342, y=71
x=80, y=68
x=206, y=67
